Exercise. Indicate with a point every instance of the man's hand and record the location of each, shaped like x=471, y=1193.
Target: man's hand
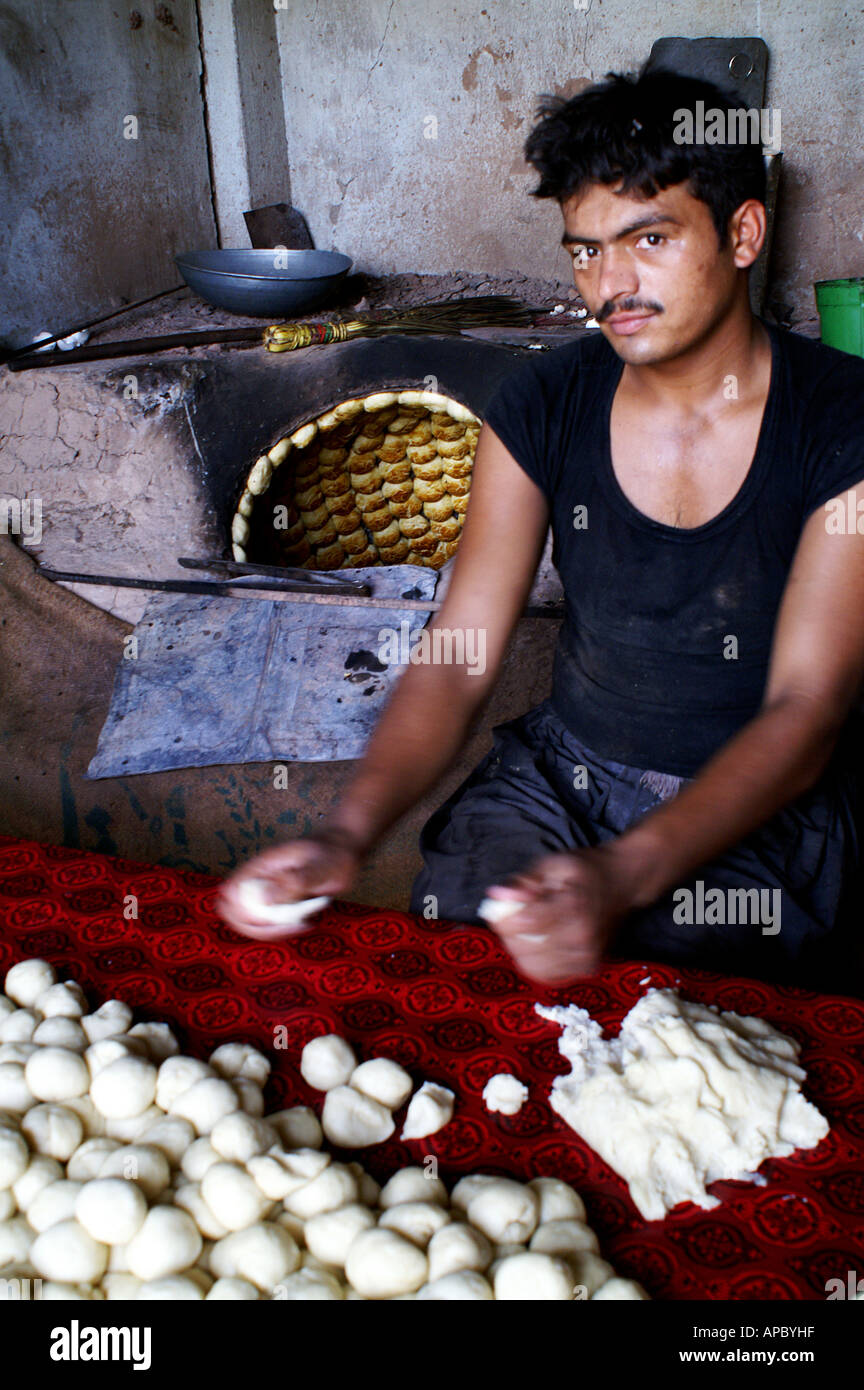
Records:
x=573, y=903
x=326, y=863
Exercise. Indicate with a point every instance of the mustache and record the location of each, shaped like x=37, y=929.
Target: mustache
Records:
x=627, y=306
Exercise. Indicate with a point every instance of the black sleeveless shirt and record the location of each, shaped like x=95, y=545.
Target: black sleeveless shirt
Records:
x=664, y=650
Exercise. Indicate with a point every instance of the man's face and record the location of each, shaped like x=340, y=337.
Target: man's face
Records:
x=650, y=270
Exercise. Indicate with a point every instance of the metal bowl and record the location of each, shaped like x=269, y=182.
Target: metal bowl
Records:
x=263, y=283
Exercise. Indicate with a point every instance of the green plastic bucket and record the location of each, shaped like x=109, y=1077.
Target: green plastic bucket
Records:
x=841, y=313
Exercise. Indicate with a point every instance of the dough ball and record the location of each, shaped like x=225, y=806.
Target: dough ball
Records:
x=167, y=1243
x=205, y=1103
x=464, y=1286
x=504, y=1094
x=239, y=1059
x=384, y=1081
x=298, y=1127
x=8, y=1205
x=278, y=1173
x=15, y=1094
x=494, y=910
x=110, y=1019
x=199, y=1156
x=54, y=1292
x=504, y=1211
x=238, y=1137
x=467, y=1188
x=120, y=1286
x=309, y=1285
x=381, y=1264
x=172, y=1289
x=249, y=1095
x=40, y=1172
x=112, y=1210
x=417, y=1221
x=89, y=1157
x=53, y=1130
x=189, y=1198
x=16, y=1242
x=351, y=1120
x=55, y=1073
x=67, y=1000
x=68, y=1253
x=55, y=1203
x=233, y=1196
x=130, y=1130
x=533, y=1277
x=101, y=1054
x=431, y=1109
x=263, y=1254
x=172, y=1135
x=330, y=1234
x=590, y=1272
x=368, y=1190
x=335, y=1187
x=234, y=1290
x=158, y=1039
x=327, y=1062
x=455, y=1247
x=95, y=1124
x=27, y=980
x=252, y=894
x=620, y=1290
x=60, y=1032
x=125, y=1088
x=558, y=1200
x=20, y=1026
x=141, y=1163
x=7, y=1007
x=412, y=1185
x=18, y=1052
x=176, y=1075
x=564, y=1238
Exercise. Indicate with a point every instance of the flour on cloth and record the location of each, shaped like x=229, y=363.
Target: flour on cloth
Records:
x=684, y=1096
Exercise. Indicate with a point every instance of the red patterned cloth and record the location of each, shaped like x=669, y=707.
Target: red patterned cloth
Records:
x=447, y=1003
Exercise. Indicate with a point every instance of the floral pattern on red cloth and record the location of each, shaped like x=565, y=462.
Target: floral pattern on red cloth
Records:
x=446, y=1002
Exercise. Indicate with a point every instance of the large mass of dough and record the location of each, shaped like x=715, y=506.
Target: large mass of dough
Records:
x=683, y=1096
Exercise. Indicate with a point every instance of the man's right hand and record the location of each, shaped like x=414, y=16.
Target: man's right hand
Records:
x=325, y=863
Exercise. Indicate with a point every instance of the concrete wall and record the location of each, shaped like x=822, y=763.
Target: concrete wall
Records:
x=406, y=120
x=88, y=218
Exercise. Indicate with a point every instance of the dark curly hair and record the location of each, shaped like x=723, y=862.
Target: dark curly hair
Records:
x=620, y=131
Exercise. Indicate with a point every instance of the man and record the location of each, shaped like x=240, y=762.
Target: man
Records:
x=690, y=790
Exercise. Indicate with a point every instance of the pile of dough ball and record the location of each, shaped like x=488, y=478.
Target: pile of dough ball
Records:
x=360, y=1100
x=131, y=1172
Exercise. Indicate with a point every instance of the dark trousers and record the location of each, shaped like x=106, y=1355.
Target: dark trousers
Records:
x=540, y=791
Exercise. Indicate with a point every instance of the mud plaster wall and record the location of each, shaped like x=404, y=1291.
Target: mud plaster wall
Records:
x=406, y=120
x=88, y=218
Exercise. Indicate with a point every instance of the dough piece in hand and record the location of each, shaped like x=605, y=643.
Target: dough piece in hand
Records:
x=55, y=1073
x=27, y=980
x=431, y=1109
x=497, y=909
x=621, y=1290
x=330, y=1235
x=352, y=1120
x=167, y=1243
x=263, y=1254
x=457, y=1247
x=68, y=1253
x=412, y=1185
x=382, y=1264
x=464, y=1285
x=535, y=1277
x=111, y=1210
x=327, y=1062
x=504, y=1093
x=251, y=894
x=383, y=1080
x=417, y=1221
x=124, y=1088
x=504, y=1211
x=558, y=1200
